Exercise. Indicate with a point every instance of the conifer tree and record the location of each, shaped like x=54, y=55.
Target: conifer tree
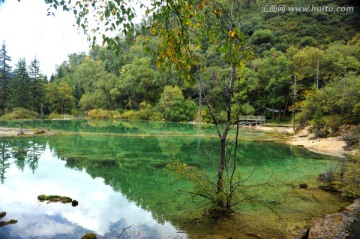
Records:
x=36, y=86
x=4, y=78
x=20, y=87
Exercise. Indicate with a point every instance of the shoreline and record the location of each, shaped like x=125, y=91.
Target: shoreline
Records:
x=11, y=132
x=331, y=146
x=4, y=131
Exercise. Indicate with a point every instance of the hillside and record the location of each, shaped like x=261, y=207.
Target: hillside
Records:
x=320, y=48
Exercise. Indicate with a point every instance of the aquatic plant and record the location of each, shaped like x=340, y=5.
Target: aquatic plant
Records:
x=54, y=198
x=206, y=187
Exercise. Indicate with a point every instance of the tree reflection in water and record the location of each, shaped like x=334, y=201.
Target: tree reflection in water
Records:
x=4, y=160
x=21, y=153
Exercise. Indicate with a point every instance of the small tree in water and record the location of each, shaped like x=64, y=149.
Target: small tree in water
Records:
x=196, y=37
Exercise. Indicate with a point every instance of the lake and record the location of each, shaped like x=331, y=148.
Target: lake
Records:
x=116, y=171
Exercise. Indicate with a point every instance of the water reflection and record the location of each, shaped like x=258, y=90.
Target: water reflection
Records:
x=119, y=181
x=4, y=161
x=24, y=153
x=100, y=208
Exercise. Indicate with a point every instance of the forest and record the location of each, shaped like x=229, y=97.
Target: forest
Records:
x=302, y=63
x=205, y=63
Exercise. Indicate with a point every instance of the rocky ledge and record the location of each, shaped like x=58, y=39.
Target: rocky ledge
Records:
x=335, y=226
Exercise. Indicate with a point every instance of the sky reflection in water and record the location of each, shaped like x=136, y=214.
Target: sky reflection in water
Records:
x=100, y=209
x=130, y=157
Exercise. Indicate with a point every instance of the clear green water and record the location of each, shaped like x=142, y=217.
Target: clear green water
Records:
x=116, y=172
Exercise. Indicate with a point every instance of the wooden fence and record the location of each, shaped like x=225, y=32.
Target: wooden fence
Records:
x=252, y=120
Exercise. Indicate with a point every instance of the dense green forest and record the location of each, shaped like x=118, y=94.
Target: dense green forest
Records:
x=307, y=62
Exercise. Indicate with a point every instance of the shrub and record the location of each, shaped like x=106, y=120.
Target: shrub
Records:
x=352, y=140
x=348, y=182
x=321, y=16
x=334, y=122
x=145, y=110
x=181, y=110
x=103, y=114
x=77, y=113
x=55, y=116
x=20, y=113
x=156, y=116
x=131, y=114
x=308, y=41
x=344, y=179
x=262, y=36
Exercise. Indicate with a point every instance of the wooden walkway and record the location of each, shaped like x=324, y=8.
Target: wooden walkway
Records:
x=251, y=120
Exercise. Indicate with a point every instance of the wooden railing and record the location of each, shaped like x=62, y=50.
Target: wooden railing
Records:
x=252, y=119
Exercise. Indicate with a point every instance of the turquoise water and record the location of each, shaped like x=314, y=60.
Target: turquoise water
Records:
x=116, y=172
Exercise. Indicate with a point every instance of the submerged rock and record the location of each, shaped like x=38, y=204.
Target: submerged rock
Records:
x=335, y=226
x=303, y=185
x=328, y=188
x=254, y=235
x=74, y=203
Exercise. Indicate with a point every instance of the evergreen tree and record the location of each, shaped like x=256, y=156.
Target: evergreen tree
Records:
x=36, y=86
x=4, y=78
x=20, y=87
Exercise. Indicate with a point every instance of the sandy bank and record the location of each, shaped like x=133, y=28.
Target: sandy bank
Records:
x=274, y=129
x=17, y=131
x=12, y=131
x=332, y=146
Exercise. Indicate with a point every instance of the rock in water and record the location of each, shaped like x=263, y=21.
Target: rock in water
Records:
x=335, y=226
x=74, y=203
x=303, y=185
x=89, y=236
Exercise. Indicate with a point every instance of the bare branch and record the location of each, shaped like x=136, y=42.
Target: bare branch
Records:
x=123, y=231
x=208, y=105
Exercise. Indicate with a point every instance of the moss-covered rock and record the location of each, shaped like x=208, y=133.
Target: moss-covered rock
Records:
x=54, y=198
x=42, y=197
x=89, y=236
x=4, y=223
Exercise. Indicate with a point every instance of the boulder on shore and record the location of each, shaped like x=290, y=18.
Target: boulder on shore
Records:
x=335, y=226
